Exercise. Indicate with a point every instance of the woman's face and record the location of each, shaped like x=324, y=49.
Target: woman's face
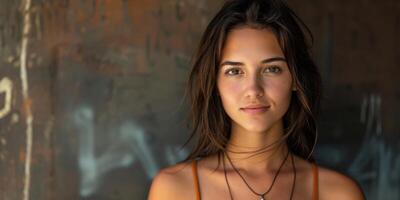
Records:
x=254, y=81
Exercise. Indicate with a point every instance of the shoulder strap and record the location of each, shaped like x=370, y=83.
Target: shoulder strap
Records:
x=196, y=180
x=315, y=181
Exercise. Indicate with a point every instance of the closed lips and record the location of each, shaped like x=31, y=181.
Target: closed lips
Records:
x=256, y=107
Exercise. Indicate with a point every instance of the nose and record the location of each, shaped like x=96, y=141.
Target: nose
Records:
x=254, y=87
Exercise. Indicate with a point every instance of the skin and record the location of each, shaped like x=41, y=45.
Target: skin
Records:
x=248, y=76
x=254, y=72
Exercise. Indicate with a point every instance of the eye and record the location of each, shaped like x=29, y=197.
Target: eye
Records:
x=273, y=69
x=233, y=71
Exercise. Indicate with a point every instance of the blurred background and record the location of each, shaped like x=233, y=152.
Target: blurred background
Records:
x=91, y=93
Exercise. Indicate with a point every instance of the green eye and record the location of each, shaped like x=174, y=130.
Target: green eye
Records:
x=233, y=71
x=273, y=69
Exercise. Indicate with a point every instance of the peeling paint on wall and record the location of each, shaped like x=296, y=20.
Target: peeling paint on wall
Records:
x=26, y=5
x=6, y=87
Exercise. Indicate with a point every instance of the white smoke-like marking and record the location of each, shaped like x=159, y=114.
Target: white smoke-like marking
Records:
x=129, y=143
x=385, y=171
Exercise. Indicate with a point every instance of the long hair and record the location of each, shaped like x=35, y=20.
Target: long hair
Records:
x=210, y=123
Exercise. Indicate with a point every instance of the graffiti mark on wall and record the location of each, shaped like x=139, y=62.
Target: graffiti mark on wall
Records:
x=6, y=87
x=128, y=144
x=376, y=159
x=175, y=154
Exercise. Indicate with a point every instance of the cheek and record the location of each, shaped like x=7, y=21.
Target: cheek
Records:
x=280, y=93
x=279, y=89
x=229, y=92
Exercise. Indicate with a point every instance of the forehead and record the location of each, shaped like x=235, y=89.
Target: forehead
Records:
x=251, y=43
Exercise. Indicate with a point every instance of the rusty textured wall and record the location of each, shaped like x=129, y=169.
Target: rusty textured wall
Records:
x=91, y=92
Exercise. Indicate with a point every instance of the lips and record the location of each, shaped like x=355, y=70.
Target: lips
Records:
x=255, y=109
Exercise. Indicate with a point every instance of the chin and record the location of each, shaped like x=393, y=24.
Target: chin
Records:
x=257, y=128
x=260, y=126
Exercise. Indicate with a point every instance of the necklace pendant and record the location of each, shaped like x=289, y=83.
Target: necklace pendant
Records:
x=262, y=198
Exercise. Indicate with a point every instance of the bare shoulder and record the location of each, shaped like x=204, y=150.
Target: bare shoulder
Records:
x=174, y=182
x=335, y=185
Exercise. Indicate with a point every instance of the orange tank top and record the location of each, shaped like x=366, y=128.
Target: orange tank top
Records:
x=197, y=184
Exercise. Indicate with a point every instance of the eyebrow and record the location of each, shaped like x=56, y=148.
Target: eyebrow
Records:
x=268, y=60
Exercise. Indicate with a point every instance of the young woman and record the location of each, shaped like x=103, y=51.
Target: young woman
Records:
x=254, y=92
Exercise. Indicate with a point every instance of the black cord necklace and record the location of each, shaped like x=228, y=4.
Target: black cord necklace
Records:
x=226, y=179
x=262, y=195
x=294, y=177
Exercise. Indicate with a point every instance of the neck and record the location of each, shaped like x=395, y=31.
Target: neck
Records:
x=256, y=151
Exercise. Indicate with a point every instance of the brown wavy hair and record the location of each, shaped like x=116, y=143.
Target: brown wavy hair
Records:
x=209, y=122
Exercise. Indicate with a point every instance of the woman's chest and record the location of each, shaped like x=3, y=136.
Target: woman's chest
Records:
x=286, y=187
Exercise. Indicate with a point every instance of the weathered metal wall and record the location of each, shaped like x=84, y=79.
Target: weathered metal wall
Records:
x=91, y=92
